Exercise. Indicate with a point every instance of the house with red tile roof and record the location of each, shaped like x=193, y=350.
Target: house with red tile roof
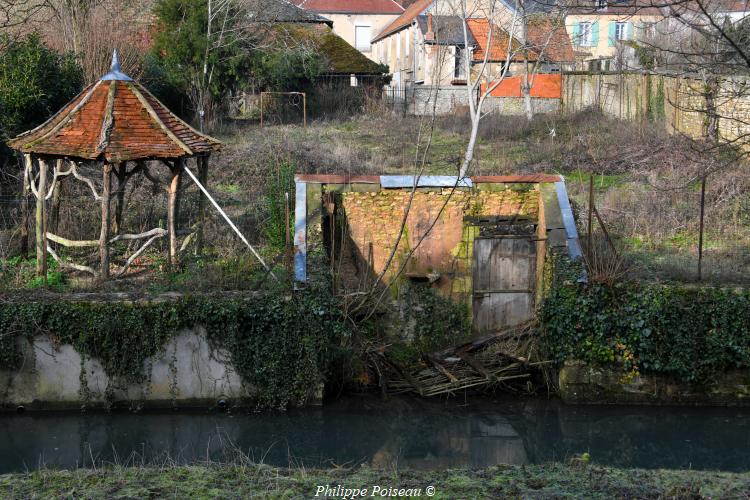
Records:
x=356, y=21
x=427, y=44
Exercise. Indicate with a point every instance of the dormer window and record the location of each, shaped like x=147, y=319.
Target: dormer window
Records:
x=601, y=4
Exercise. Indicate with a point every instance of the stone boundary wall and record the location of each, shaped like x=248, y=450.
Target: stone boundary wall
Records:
x=580, y=383
x=678, y=101
x=450, y=100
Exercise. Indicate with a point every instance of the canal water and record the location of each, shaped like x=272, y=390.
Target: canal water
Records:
x=401, y=433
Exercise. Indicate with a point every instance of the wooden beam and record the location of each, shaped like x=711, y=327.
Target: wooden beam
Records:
x=172, y=212
x=104, y=235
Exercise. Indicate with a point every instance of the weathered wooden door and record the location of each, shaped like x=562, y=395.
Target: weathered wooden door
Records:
x=504, y=281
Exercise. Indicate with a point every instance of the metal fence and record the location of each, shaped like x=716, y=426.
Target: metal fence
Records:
x=693, y=233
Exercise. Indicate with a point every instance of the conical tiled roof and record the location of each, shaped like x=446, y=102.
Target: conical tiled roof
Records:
x=115, y=119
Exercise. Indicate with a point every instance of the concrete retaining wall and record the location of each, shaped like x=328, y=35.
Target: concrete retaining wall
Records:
x=449, y=100
x=188, y=373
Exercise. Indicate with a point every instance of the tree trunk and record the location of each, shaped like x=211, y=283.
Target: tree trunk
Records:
x=172, y=211
x=203, y=178
x=41, y=222
x=104, y=235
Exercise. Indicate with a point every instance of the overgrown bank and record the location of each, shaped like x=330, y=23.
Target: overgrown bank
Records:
x=692, y=334
x=281, y=345
x=502, y=481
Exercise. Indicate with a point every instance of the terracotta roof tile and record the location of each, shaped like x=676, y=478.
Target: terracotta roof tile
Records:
x=404, y=19
x=133, y=126
x=351, y=6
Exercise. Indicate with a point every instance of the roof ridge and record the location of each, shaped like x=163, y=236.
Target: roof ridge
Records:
x=180, y=120
x=150, y=110
x=109, y=119
x=65, y=119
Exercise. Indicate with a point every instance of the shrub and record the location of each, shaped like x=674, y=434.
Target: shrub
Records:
x=35, y=82
x=690, y=333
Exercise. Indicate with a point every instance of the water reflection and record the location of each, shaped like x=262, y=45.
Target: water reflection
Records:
x=396, y=434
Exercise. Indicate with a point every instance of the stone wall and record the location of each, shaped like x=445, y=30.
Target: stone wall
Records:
x=446, y=248
x=678, y=101
x=585, y=384
x=449, y=100
x=188, y=373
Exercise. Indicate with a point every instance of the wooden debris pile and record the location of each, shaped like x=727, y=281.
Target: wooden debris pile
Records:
x=506, y=360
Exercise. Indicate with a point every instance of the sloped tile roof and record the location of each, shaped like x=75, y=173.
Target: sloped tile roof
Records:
x=404, y=19
x=498, y=51
x=351, y=6
x=115, y=119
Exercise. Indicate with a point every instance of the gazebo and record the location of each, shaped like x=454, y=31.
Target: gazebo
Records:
x=118, y=124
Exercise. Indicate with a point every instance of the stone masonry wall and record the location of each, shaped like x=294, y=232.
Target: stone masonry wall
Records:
x=448, y=100
x=374, y=220
x=677, y=101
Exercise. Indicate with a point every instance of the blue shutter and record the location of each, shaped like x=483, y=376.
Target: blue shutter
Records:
x=575, y=31
x=612, y=33
x=595, y=34
x=629, y=31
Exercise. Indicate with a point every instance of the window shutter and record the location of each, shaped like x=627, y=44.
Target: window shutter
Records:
x=595, y=34
x=629, y=32
x=612, y=37
x=576, y=30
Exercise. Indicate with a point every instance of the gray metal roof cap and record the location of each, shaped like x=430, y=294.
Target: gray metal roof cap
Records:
x=115, y=73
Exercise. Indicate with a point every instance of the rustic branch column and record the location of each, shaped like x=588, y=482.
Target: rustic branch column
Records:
x=104, y=235
x=41, y=222
x=203, y=178
x=172, y=212
x=25, y=189
x=122, y=179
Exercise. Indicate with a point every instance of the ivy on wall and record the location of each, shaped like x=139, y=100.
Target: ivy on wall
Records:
x=280, y=345
x=690, y=333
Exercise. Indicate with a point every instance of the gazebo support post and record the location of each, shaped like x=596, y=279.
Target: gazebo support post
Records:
x=41, y=222
x=172, y=211
x=122, y=178
x=203, y=178
x=25, y=207
x=104, y=235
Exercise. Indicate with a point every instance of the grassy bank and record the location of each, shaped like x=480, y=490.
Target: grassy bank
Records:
x=503, y=481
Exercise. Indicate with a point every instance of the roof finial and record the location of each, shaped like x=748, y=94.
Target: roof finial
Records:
x=115, y=72
x=115, y=62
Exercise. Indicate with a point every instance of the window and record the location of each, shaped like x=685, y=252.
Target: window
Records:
x=362, y=37
x=601, y=4
x=621, y=30
x=585, y=34
x=648, y=30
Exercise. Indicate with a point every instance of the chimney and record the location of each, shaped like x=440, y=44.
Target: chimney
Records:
x=430, y=35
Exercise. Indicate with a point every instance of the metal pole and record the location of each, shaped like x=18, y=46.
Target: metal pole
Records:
x=700, y=230
x=304, y=109
x=261, y=110
x=231, y=224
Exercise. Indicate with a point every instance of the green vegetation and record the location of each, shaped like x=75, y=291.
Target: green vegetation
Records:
x=35, y=82
x=257, y=481
x=282, y=345
x=278, y=186
x=690, y=333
